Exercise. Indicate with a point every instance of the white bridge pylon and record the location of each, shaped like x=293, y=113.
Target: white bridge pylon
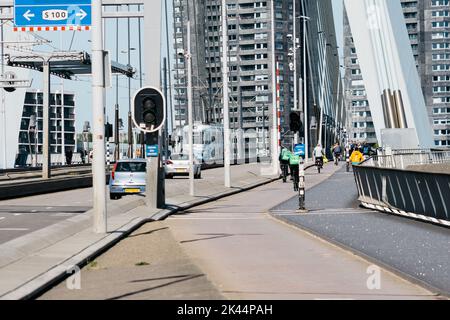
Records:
x=387, y=63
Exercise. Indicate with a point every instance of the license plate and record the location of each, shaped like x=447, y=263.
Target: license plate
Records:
x=132, y=190
x=181, y=170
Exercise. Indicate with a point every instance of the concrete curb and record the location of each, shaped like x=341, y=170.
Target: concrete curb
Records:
x=42, y=282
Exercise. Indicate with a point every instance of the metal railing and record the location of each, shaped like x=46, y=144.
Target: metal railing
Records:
x=392, y=184
x=419, y=195
x=403, y=160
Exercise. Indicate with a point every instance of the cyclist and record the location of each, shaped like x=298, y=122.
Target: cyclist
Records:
x=357, y=157
x=318, y=156
x=337, y=153
x=284, y=163
x=294, y=164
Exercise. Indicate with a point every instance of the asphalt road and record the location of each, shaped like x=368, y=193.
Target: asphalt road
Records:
x=417, y=249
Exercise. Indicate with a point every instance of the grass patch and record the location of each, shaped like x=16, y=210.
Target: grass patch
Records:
x=142, y=263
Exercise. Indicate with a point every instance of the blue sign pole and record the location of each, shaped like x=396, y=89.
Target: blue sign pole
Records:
x=52, y=13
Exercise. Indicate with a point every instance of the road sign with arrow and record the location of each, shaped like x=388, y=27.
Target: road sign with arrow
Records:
x=52, y=13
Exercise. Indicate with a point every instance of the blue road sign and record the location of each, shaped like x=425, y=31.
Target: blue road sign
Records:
x=52, y=13
x=299, y=150
x=152, y=151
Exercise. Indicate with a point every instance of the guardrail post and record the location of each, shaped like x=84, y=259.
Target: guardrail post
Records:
x=301, y=190
x=384, y=188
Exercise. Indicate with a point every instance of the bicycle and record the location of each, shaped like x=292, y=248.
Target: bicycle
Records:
x=337, y=158
x=295, y=177
x=319, y=164
x=348, y=163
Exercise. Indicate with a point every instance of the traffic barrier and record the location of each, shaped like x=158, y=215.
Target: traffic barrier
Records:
x=31, y=188
x=413, y=194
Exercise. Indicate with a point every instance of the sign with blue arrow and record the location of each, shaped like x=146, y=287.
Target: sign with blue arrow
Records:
x=52, y=13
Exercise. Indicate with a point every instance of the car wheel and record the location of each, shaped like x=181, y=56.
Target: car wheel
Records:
x=114, y=197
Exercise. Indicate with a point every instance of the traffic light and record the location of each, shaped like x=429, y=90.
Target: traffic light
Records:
x=108, y=131
x=149, y=113
x=295, y=122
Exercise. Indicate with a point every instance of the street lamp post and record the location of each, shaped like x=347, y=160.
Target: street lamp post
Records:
x=294, y=52
x=190, y=113
x=226, y=100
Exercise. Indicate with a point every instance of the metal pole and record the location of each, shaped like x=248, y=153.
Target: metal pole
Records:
x=190, y=112
x=294, y=40
x=264, y=130
x=117, y=113
x=130, y=121
x=169, y=67
x=98, y=125
x=46, y=161
x=3, y=105
x=274, y=142
x=63, y=142
x=226, y=99
x=166, y=125
x=305, y=92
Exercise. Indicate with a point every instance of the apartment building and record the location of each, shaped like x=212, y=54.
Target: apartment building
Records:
x=62, y=124
x=260, y=36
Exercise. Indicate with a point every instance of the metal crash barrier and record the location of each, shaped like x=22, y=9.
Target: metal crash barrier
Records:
x=420, y=195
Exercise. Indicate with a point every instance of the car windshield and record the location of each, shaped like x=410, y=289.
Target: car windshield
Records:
x=180, y=157
x=130, y=167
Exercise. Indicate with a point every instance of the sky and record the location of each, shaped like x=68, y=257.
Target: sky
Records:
x=80, y=41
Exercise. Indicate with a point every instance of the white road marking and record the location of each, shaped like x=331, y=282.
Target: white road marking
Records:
x=17, y=214
x=14, y=229
x=1, y=218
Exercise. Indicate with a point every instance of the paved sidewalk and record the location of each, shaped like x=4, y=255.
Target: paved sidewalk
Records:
x=31, y=262
x=248, y=254
x=149, y=264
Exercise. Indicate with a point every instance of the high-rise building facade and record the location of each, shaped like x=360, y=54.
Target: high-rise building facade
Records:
x=260, y=39
x=62, y=124
x=429, y=33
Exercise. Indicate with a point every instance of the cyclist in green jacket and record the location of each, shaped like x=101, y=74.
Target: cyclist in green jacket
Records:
x=294, y=164
x=284, y=163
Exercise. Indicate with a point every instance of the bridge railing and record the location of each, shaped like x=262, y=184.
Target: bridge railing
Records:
x=403, y=161
x=388, y=184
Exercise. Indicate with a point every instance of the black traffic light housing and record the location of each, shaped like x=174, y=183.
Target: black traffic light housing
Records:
x=149, y=112
x=295, y=123
x=108, y=130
